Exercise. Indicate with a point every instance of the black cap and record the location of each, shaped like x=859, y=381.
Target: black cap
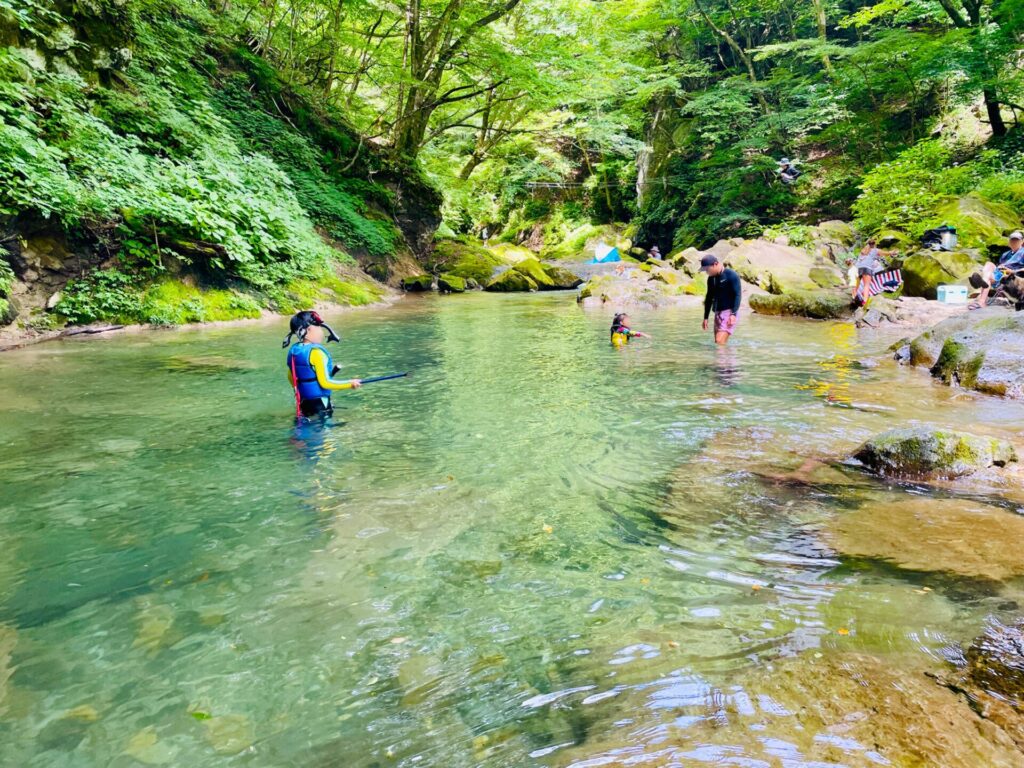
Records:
x=706, y=261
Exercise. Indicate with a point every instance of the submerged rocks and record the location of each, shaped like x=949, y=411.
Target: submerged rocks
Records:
x=981, y=350
x=932, y=535
x=819, y=305
x=995, y=661
x=919, y=452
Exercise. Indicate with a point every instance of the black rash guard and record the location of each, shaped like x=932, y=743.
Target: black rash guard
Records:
x=724, y=292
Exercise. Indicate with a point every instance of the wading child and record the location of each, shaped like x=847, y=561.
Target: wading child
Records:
x=310, y=368
x=622, y=333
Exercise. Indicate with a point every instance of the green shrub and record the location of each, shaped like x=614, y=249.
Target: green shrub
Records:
x=104, y=295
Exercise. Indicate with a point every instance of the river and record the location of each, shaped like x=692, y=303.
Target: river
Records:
x=536, y=550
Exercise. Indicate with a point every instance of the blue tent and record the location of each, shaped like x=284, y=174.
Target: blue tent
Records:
x=606, y=254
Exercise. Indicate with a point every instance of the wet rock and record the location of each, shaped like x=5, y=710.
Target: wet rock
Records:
x=995, y=661
x=511, y=281
x=836, y=709
x=451, y=284
x=819, y=305
x=920, y=452
x=981, y=350
x=924, y=271
x=418, y=283
x=958, y=536
x=534, y=270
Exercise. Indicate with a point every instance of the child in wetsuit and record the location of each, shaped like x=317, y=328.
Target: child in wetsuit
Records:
x=622, y=333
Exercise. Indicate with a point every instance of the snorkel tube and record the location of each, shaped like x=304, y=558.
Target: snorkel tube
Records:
x=301, y=321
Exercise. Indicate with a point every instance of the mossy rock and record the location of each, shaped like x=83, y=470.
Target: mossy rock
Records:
x=562, y=278
x=920, y=452
x=979, y=223
x=818, y=305
x=534, y=270
x=835, y=231
x=982, y=350
x=8, y=311
x=451, y=284
x=511, y=281
x=668, y=275
x=465, y=260
x=925, y=271
x=826, y=276
x=418, y=283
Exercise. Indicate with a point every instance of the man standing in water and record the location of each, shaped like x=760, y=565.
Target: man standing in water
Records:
x=724, y=294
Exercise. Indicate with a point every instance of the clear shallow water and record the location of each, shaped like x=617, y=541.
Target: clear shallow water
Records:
x=534, y=548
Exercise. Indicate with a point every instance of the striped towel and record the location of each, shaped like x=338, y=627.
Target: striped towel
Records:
x=889, y=280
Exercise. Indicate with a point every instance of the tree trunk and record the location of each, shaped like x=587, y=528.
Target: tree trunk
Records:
x=995, y=117
x=819, y=15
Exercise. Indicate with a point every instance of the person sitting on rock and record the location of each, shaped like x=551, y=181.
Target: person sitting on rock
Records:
x=787, y=171
x=622, y=333
x=654, y=254
x=991, y=275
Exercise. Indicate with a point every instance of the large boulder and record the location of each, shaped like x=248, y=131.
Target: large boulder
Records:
x=451, y=284
x=634, y=290
x=534, y=270
x=819, y=305
x=920, y=452
x=418, y=283
x=925, y=271
x=981, y=350
x=773, y=267
x=669, y=275
x=687, y=260
x=511, y=281
x=464, y=259
x=835, y=231
x=561, y=278
x=979, y=223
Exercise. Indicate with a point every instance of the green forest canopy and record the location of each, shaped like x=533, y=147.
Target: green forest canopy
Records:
x=520, y=111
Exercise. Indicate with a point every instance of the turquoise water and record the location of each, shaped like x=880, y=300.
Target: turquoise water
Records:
x=534, y=544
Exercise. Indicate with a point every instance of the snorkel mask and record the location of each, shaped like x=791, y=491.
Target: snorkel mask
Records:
x=301, y=321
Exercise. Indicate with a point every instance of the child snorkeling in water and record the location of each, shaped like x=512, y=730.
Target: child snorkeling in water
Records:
x=622, y=333
x=310, y=368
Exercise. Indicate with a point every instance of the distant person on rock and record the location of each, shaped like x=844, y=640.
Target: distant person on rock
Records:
x=991, y=275
x=788, y=172
x=622, y=333
x=654, y=254
x=723, y=297
x=310, y=368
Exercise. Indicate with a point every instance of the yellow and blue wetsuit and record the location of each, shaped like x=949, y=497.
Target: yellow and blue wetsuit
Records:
x=620, y=335
x=310, y=372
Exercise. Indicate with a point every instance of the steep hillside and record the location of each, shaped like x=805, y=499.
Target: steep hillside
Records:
x=156, y=170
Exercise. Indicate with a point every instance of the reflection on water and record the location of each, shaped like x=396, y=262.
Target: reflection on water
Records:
x=536, y=550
